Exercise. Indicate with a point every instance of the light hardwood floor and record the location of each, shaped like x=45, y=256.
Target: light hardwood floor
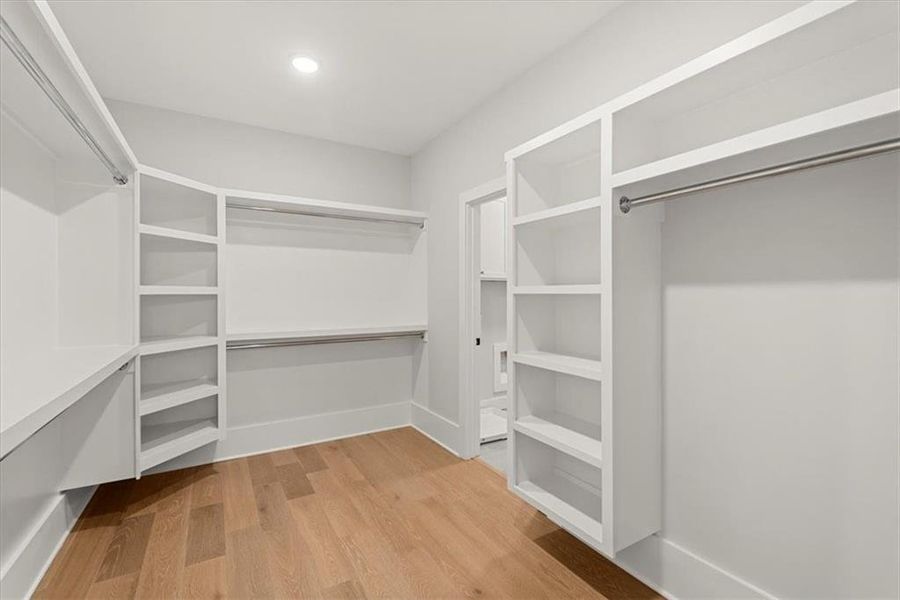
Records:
x=385, y=515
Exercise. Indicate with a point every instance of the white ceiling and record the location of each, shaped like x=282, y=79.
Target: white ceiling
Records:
x=393, y=74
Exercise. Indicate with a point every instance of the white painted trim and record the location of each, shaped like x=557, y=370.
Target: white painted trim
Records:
x=438, y=428
x=24, y=570
x=469, y=283
x=271, y=436
x=679, y=574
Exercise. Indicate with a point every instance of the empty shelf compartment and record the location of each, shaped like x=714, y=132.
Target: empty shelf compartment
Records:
x=562, y=172
x=178, y=316
x=179, y=207
x=170, y=261
x=174, y=431
x=564, y=325
x=163, y=442
x=560, y=410
x=566, y=489
x=560, y=251
x=162, y=373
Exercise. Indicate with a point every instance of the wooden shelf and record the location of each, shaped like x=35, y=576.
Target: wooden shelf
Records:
x=323, y=334
x=175, y=394
x=37, y=389
x=565, y=435
x=160, y=443
x=325, y=208
x=561, y=363
x=179, y=290
x=575, y=210
x=847, y=115
x=174, y=344
x=567, y=290
x=177, y=234
x=494, y=277
x=562, y=513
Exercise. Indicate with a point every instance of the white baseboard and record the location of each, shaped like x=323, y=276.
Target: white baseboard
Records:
x=23, y=572
x=440, y=429
x=679, y=574
x=276, y=435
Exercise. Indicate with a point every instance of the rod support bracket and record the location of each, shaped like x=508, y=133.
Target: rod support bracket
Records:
x=625, y=204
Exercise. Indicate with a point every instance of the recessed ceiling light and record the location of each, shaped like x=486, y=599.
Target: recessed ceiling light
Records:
x=305, y=64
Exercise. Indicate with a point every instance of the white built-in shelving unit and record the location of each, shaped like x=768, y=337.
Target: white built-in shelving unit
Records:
x=585, y=295
x=180, y=236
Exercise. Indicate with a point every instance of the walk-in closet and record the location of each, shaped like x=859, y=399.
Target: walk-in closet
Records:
x=447, y=300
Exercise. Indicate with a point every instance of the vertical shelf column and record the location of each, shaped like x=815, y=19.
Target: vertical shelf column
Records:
x=180, y=234
x=558, y=331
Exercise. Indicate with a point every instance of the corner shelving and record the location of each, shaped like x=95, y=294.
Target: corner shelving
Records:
x=180, y=239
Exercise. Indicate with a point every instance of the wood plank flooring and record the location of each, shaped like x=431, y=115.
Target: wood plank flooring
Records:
x=385, y=515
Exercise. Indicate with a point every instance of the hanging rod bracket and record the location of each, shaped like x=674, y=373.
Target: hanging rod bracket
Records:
x=625, y=204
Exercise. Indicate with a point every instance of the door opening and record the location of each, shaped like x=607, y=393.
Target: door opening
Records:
x=483, y=360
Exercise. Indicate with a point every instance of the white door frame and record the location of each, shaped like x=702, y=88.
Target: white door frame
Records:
x=470, y=306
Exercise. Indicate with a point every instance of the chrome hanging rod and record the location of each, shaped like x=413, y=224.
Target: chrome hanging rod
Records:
x=309, y=213
x=249, y=344
x=892, y=145
x=22, y=54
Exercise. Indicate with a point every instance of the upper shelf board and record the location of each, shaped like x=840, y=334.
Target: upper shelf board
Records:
x=556, y=214
x=324, y=208
x=34, y=392
x=849, y=114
